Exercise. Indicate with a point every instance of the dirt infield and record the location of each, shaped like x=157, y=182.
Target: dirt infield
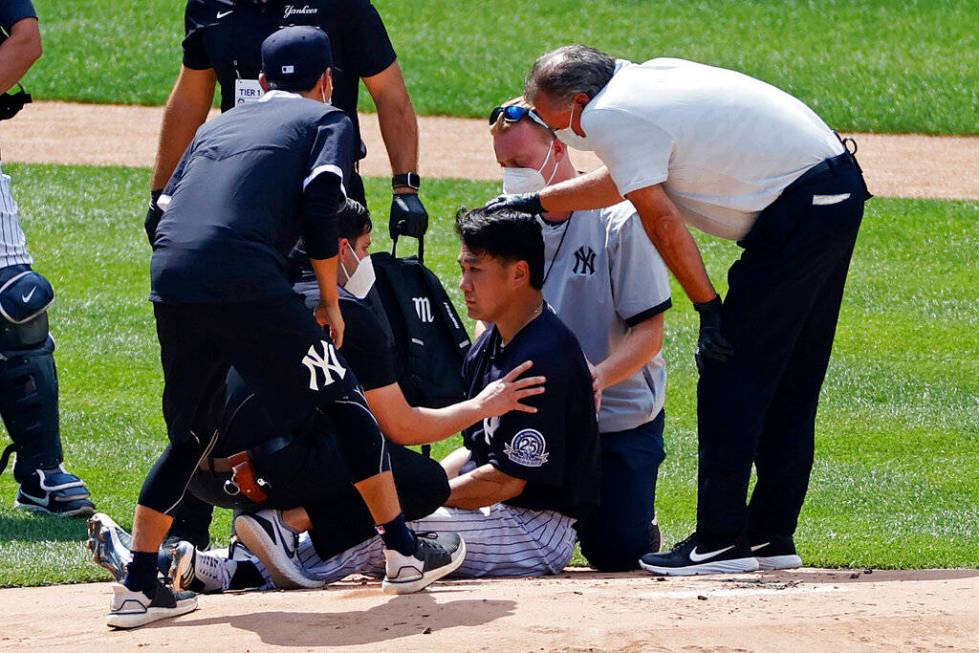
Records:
x=808, y=610
x=895, y=165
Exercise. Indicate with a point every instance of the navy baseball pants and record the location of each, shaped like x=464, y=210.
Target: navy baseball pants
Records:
x=617, y=534
x=305, y=471
x=289, y=361
x=780, y=315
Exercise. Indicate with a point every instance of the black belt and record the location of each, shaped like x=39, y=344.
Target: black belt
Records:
x=838, y=162
x=267, y=448
x=822, y=168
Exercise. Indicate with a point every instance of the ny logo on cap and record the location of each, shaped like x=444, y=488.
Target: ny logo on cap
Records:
x=288, y=70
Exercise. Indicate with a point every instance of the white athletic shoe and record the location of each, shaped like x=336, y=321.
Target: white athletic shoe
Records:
x=197, y=571
x=275, y=545
x=130, y=609
x=438, y=555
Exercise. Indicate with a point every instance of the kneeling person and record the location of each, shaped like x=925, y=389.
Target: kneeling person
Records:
x=522, y=479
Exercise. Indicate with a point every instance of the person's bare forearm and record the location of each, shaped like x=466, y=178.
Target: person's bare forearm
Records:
x=665, y=228
x=481, y=487
x=594, y=190
x=19, y=52
x=639, y=346
x=396, y=118
x=455, y=461
x=186, y=110
x=428, y=425
x=326, y=279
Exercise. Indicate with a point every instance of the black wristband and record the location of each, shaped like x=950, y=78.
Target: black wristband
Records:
x=409, y=179
x=712, y=305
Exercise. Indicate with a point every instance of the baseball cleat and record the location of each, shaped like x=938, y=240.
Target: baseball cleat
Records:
x=197, y=571
x=776, y=553
x=688, y=558
x=109, y=545
x=275, y=545
x=56, y=492
x=438, y=555
x=130, y=609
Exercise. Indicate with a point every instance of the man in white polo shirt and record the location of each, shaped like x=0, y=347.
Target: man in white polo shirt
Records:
x=606, y=282
x=742, y=160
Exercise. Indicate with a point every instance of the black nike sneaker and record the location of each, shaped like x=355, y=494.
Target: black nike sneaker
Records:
x=276, y=546
x=689, y=558
x=774, y=553
x=438, y=555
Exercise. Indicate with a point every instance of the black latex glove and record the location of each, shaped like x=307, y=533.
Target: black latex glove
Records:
x=153, y=215
x=710, y=343
x=522, y=203
x=408, y=216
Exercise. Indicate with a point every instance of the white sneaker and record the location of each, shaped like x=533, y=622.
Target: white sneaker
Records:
x=197, y=571
x=438, y=555
x=130, y=609
x=275, y=545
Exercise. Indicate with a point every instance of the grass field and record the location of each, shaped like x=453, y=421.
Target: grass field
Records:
x=864, y=65
x=898, y=447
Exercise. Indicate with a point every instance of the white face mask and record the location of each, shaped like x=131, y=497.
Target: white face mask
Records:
x=528, y=180
x=569, y=137
x=362, y=280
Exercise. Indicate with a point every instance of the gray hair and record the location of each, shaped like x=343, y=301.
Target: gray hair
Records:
x=563, y=73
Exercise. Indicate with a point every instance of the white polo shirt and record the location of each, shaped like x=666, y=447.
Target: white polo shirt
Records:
x=723, y=144
x=602, y=276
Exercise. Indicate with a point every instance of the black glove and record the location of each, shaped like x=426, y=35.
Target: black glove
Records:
x=711, y=344
x=523, y=203
x=408, y=216
x=153, y=215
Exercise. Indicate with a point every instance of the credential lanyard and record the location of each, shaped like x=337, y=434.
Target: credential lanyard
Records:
x=567, y=225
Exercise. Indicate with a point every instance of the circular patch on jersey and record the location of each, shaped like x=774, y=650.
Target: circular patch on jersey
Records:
x=527, y=448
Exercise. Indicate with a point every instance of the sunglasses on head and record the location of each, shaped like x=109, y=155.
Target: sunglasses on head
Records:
x=515, y=113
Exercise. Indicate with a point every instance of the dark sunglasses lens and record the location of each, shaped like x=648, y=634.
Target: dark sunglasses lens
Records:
x=495, y=115
x=514, y=113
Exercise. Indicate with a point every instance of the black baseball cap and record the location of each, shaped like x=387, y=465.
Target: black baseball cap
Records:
x=293, y=58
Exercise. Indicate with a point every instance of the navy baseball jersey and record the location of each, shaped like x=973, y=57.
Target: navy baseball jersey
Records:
x=367, y=345
x=555, y=449
x=250, y=183
x=13, y=11
x=227, y=36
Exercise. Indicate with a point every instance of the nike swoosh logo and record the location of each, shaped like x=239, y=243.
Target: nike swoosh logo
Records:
x=760, y=546
x=289, y=552
x=28, y=296
x=700, y=557
x=222, y=14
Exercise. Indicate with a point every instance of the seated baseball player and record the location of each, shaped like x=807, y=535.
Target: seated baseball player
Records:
x=521, y=480
x=306, y=471
x=608, y=284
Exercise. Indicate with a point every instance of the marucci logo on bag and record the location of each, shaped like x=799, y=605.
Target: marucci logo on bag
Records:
x=584, y=260
x=423, y=306
x=305, y=10
x=327, y=363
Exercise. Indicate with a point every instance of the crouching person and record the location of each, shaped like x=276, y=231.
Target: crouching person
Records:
x=522, y=479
